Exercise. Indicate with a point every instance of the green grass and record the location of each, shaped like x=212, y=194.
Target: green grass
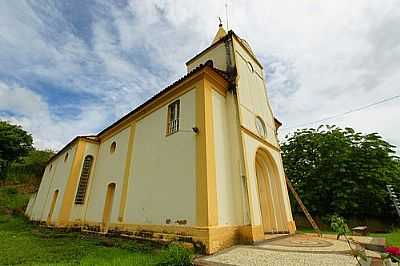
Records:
x=392, y=238
x=23, y=243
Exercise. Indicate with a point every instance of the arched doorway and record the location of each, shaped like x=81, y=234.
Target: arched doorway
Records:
x=270, y=193
x=52, y=205
x=108, y=206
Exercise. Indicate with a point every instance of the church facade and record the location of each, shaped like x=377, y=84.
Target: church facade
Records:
x=199, y=161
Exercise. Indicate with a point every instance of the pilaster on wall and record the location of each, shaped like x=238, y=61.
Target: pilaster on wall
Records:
x=127, y=172
x=207, y=213
x=72, y=182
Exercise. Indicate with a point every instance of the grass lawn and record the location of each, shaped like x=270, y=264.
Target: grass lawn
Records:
x=392, y=238
x=25, y=244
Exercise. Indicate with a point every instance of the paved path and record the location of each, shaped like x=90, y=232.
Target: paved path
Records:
x=287, y=250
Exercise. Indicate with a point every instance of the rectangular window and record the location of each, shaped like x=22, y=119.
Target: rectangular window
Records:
x=173, y=118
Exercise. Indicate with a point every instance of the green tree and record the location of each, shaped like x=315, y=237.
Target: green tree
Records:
x=14, y=143
x=341, y=171
x=30, y=166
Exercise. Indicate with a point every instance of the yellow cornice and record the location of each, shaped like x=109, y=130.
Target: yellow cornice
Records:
x=263, y=141
x=219, y=84
x=72, y=143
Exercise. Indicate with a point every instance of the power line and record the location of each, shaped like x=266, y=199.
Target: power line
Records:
x=345, y=113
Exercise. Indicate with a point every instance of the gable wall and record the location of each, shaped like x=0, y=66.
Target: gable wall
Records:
x=217, y=55
x=53, y=179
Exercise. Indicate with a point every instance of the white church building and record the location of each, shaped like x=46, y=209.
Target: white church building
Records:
x=199, y=161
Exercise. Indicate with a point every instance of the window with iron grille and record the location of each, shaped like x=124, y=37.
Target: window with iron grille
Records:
x=173, y=118
x=84, y=179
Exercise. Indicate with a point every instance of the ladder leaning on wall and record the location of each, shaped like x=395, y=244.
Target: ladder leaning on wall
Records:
x=303, y=208
x=394, y=198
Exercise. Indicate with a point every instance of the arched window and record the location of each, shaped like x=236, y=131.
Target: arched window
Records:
x=66, y=157
x=84, y=180
x=260, y=126
x=113, y=147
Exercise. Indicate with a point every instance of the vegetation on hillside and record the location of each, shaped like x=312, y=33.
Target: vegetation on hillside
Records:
x=341, y=171
x=19, y=160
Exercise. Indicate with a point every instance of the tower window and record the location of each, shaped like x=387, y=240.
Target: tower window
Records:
x=260, y=126
x=66, y=157
x=84, y=179
x=173, y=117
x=250, y=66
x=113, y=147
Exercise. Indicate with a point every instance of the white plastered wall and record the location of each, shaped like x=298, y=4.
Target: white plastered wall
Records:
x=162, y=183
x=78, y=210
x=216, y=54
x=39, y=200
x=109, y=168
x=53, y=179
x=252, y=95
x=227, y=161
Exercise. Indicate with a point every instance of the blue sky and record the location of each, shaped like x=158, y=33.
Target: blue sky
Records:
x=71, y=68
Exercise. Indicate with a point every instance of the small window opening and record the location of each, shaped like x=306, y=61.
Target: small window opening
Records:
x=260, y=126
x=173, y=117
x=66, y=157
x=113, y=147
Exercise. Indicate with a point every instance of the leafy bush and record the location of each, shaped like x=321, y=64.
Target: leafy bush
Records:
x=339, y=225
x=175, y=255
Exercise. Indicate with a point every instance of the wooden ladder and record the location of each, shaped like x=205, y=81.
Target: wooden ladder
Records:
x=303, y=208
x=393, y=197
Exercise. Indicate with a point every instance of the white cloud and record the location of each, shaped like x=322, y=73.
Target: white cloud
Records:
x=322, y=58
x=32, y=112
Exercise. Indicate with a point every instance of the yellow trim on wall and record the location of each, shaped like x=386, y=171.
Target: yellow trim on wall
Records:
x=214, y=238
x=220, y=85
x=127, y=171
x=72, y=182
x=207, y=213
x=263, y=141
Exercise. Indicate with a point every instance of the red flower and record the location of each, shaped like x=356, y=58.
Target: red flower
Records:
x=395, y=251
